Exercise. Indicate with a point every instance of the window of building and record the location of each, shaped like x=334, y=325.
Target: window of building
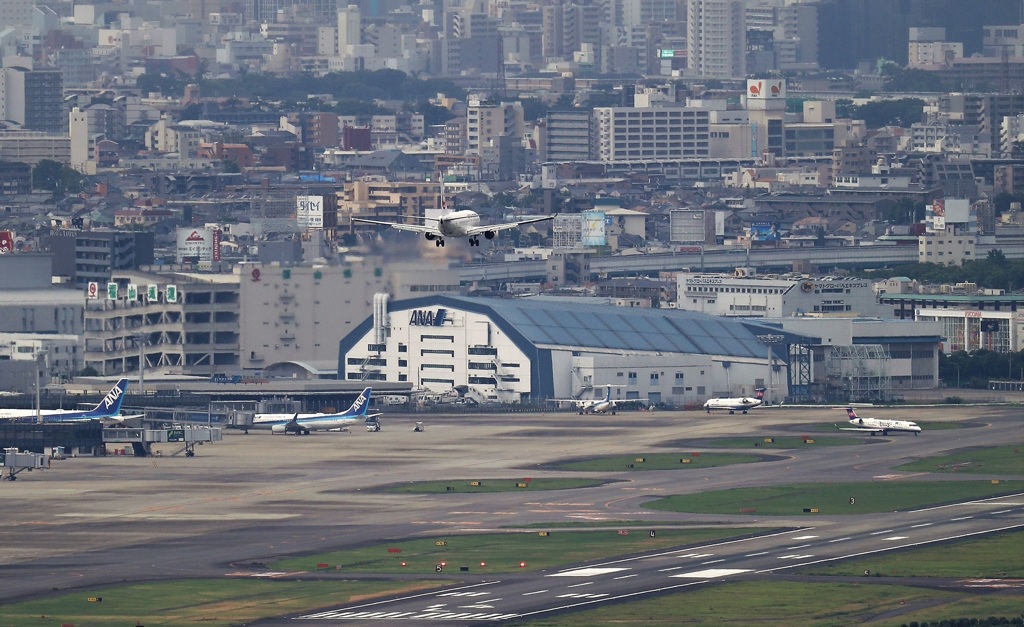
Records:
x=632, y=378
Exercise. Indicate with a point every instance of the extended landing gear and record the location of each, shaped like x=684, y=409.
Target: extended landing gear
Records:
x=439, y=242
x=474, y=241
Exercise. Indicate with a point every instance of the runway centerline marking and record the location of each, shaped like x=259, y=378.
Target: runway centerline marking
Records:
x=587, y=572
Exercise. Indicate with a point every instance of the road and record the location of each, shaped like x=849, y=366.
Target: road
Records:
x=254, y=498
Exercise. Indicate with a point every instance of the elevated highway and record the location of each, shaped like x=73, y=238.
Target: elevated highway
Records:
x=722, y=259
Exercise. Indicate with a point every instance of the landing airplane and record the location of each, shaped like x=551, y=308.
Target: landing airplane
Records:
x=599, y=405
x=461, y=223
x=877, y=425
x=303, y=424
x=107, y=409
x=734, y=405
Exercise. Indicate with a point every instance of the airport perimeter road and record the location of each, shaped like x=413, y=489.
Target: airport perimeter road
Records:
x=253, y=498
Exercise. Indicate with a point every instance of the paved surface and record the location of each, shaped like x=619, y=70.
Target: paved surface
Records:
x=254, y=497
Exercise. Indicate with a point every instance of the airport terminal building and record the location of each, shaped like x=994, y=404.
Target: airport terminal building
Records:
x=531, y=349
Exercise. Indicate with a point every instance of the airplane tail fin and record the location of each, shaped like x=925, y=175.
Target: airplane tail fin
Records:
x=851, y=413
x=760, y=394
x=110, y=406
x=361, y=404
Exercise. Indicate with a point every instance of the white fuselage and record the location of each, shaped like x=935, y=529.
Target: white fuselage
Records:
x=313, y=422
x=733, y=404
x=458, y=223
x=884, y=426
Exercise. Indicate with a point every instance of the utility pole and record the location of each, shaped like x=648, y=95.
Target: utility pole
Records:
x=769, y=341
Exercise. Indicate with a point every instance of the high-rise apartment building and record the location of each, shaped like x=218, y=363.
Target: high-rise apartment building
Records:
x=33, y=99
x=716, y=38
x=349, y=28
x=637, y=134
x=487, y=121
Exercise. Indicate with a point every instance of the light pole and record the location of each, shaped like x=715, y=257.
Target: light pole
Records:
x=769, y=341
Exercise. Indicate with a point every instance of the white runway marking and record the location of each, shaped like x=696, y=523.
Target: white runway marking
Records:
x=921, y=525
x=961, y=518
x=665, y=570
x=526, y=594
x=895, y=538
x=626, y=576
x=878, y=533
x=840, y=539
x=756, y=554
x=1002, y=511
x=804, y=537
x=713, y=572
x=588, y=572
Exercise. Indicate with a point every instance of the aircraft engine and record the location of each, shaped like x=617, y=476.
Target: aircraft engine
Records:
x=489, y=234
x=430, y=236
x=279, y=429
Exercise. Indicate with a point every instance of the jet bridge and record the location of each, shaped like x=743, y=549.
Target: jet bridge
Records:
x=17, y=462
x=142, y=440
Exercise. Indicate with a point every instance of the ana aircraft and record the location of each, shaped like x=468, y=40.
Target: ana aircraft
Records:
x=461, y=223
x=877, y=425
x=303, y=424
x=107, y=409
x=599, y=405
x=742, y=403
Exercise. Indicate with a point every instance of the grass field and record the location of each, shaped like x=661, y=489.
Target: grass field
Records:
x=465, y=486
x=794, y=604
x=216, y=601
x=996, y=460
x=658, y=461
x=997, y=556
x=503, y=552
x=783, y=442
x=868, y=497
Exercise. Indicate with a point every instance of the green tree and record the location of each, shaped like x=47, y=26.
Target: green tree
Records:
x=903, y=112
x=57, y=177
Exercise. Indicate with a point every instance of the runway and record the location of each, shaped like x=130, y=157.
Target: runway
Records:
x=254, y=498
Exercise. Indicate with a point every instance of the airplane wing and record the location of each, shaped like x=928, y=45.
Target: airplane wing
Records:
x=494, y=228
x=858, y=428
x=415, y=228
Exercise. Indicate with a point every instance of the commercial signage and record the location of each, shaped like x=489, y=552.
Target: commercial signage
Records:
x=194, y=245
x=152, y=293
x=6, y=242
x=133, y=291
x=425, y=318
x=309, y=212
x=93, y=290
x=111, y=291
x=171, y=294
x=593, y=230
x=759, y=89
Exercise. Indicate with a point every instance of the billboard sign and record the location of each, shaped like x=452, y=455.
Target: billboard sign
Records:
x=309, y=212
x=6, y=242
x=194, y=245
x=764, y=232
x=760, y=89
x=593, y=230
x=939, y=214
x=93, y=290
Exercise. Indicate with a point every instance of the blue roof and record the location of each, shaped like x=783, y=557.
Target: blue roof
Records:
x=585, y=325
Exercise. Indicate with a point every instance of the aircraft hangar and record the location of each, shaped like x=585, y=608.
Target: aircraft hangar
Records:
x=530, y=349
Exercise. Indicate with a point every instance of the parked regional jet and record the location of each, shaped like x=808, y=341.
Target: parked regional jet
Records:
x=462, y=223
x=734, y=405
x=877, y=425
x=303, y=424
x=599, y=405
x=107, y=409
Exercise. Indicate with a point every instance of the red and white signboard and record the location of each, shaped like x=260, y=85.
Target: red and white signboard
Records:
x=6, y=242
x=93, y=290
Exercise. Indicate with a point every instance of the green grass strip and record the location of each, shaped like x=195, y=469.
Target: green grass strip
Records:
x=688, y=460
x=996, y=460
x=833, y=498
x=225, y=601
x=502, y=552
x=480, y=486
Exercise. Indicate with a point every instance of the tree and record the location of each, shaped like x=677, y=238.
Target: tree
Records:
x=903, y=112
x=57, y=177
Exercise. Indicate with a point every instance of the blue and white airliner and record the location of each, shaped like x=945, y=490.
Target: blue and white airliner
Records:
x=107, y=409
x=304, y=424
